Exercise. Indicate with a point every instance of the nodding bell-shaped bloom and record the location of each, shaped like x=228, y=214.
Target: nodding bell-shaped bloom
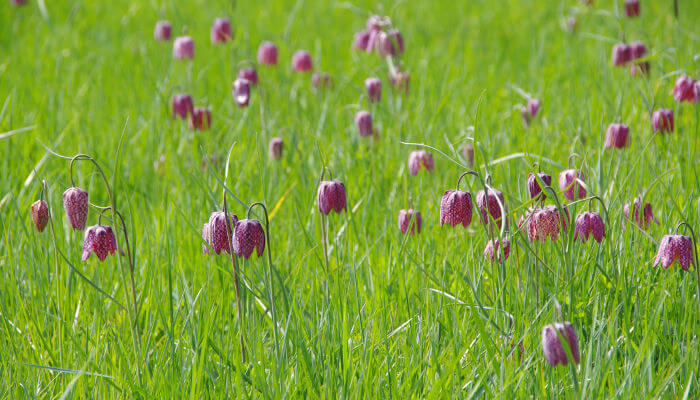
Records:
x=301, y=61
x=617, y=136
x=494, y=252
x=420, y=158
x=162, y=31
x=621, y=54
x=182, y=105
x=221, y=31
x=546, y=222
x=75, y=201
x=468, y=154
x=99, y=239
x=183, y=48
x=399, y=79
x=489, y=207
x=569, y=185
x=529, y=111
x=40, y=214
x=662, y=120
x=632, y=8
x=241, y=92
x=275, y=148
x=683, y=89
x=321, y=80
x=389, y=43
x=200, y=119
x=553, y=349
x=219, y=231
x=641, y=216
x=409, y=218
x=267, y=53
x=374, y=89
x=363, y=121
x=456, y=208
x=675, y=248
x=638, y=50
x=248, y=236
x=589, y=223
x=332, y=197
x=249, y=74
x=361, y=40
x=533, y=186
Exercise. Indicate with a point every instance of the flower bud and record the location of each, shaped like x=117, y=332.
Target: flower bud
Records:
x=182, y=105
x=40, y=214
x=420, y=158
x=275, y=148
x=363, y=121
x=220, y=232
x=588, y=223
x=674, y=248
x=490, y=204
x=374, y=89
x=361, y=40
x=641, y=216
x=75, y=202
x=683, y=89
x=267, y=53
x=410, y=218
x=301, y=61
x=569, y=185
x=331, y=197
x=248, y=236
x=221, y=31
x=468, y=154
x=662, y=120
x=241, y=92
x=162, y=31
x=456, y=208
x=183, y=47
x=632, y=8
x=400, y=80
x=494, y=252
x=99, y=239
x=200, y=119
x=617, y=136
x=621, y=54
x=552, y=346
x=249, y=74
x=533, y=186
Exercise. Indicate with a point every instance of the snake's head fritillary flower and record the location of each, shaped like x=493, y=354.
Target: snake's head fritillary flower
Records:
x=40, y=214
x=363, y=121
x=621, y=54
x=492, y=206
x=75, y=202
x=553, y=348
x=569, y=185
x=428, y=162
x=632, y=8
x=456, y=208
x=162, y=31
x=409, y=218
x=638, y=50
x=546, y=222
x=182, y=105
x=200, y=119
x=249, y=74
x=617, y=136
x=248, y=236
x=587, y=224
x=375, y=23
x=321, y=80
x=183, y=48
x=468, y=154
x=361, y=40
x=640, y=68
x=99, y=239
x=494, y=252
x=399, y=79
x=301, y=61
x=418, y=159
x=683, y=89
x=674, y=248
x=241, y=92
x=267, y=53
x=221, y=31
x=220, y=231
x=332, y=197
x=533, y=106
x=533, y=185
x=662, y=120
x=642, y=216
x=389, y=43
x=275, y=148
x=374, y=89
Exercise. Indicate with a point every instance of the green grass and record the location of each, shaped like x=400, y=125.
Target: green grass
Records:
x=416, y=317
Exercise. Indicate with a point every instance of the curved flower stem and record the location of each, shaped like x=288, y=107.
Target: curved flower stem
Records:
x=99, y=169
x=695, y=253
x=269, y=273
x=573, y=155
x=234, y=264
x=602, y=204
x=469, y=172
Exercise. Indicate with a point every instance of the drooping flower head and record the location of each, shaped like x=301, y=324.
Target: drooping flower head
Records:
x=220, y=231
x=332, y=197
x=617, y=136
x=456, y=208
x=409, y=218
x=683, y=89
x=494, y=252
x=534, y=187
x=621, y=54
x=275, y=148
x=418, y=159
x=589, y=223
x=546, y=222
x=248, y=236
x=641, y=216
x=674, y=248
x=182, y=105
x=321, y=80
x=363, y=121
x=221, y=31
x=200, y=119
x=249, y=74
x=75, y=202
x=399, y=79
x=553, y=347
x=183, y=48
x=162, y=31
x=374, y=89
x=492, y=206
x=632, y=8
x=241, y=92
x=267, y=53
x=662, y=120
x=569, y=185
x=389, y=43
x=99, y=239
x=361, y=40
x=40, y=214
x=301, y=61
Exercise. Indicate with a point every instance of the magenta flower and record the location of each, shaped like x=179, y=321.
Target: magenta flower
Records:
x=75, y=202
x=632, y=8
x=533, y=105
x=241, y=92
x=405, y=217
x=361, y=40
x=182, y=105
x=363, y=121
x=468, y=154
x=249, y=74
x=321, y=80
x=621, y=54
x=617, y=136
x=662, y=120
x=490, y=204
x=40, y=214
x=675, y=248
x=275, y=148
x=494, y=252
x=248, y=236
x=569, y=185
x=552, y=346
x=332, y=197
x=99, y=239
x=683, y=89
x=200, y=119
x=267, y=53
x=374, y=89
x=546, y=222
x=389, y=43
x=301, y=61
x=418, y=159
x=588, y=223
x=162, y=31
x=642, y=217
x=221, y=31
x=533, y=186
x=638, y=50
x=375, y=23
x=183, y=48
x=456, y=208
x=220, y=232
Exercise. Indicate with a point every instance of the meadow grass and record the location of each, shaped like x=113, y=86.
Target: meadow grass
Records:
x=393, y=316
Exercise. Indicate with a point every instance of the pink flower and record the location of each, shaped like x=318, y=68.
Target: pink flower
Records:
x=638, y=50
x=389, y=43
x=241, y=92
x=249, y=74
x=220, y=232
x=248, y=236
x=641, y=219
x=162, y=31
x=405, y=217
x=75, y=201
x=361, y=40
x=275, y=148
x=588, y=223
x=332, y=197
x=683, y=89
x=456, y=208
x=321, y=80
x=400, y=80
x=267, y=53
x=552, y=346
x=420, y=158
x=533, y=185
x=490, y=204
x=374, y=89
x=569, y=185
x=99, y=239
x=182, y=105
x=375, y=23
x=546, y=222
x=221, y=31
x=183, y=47
x=301, y=61
x=621, y=54
x=533, y=105
x=632, y=8
x=363, y=121
x=40, y=214
x=494, y=252
x=200, y=119
x=617, y=136
x=468, y=154
x=662, y=120
x=675, y=248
